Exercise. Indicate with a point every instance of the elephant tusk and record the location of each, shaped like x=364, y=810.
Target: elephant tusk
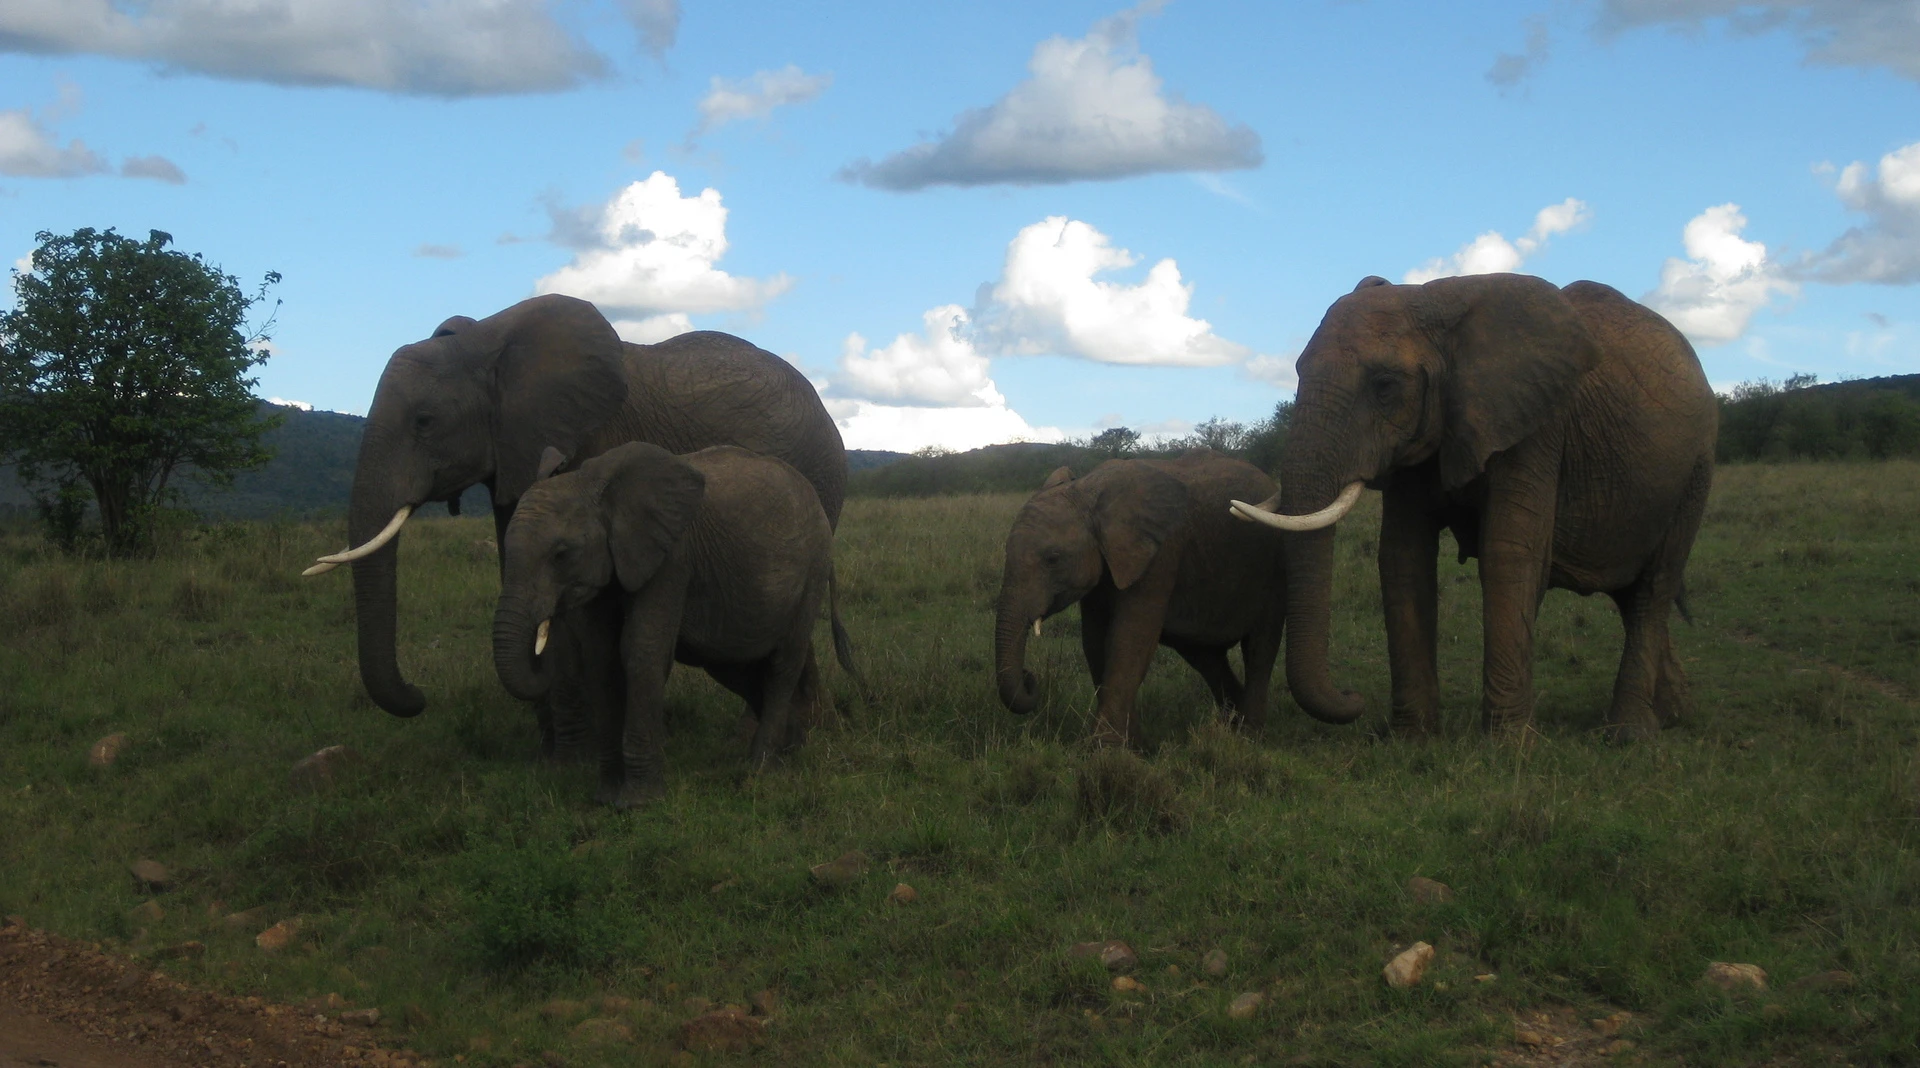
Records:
x=1325, y=517
x=318, y=569
x=1036, y=627
x=372, y=546
x=540, y=637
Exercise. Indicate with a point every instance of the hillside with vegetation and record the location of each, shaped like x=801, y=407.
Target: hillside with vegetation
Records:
x=1861, y=419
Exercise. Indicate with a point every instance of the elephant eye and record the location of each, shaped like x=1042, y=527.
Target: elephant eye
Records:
x=422, y=422
x=1051, y=556
x=1386, y=387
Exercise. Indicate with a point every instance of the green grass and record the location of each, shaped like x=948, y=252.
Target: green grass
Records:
x=453, y=873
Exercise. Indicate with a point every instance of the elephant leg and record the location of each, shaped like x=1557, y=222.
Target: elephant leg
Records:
x=1651, y=690
x=1258, y=650
x=593, y=636
x=812, y=704
x=634, y=771
x=1410, y=597
x=1211, y=662
x=744, y=682
x=780, y=683
x=1096, y=616
x=1516, y=555
x=1133, y=634
x=568, y=713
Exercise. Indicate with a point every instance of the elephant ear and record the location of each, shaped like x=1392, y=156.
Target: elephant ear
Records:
x=1137, y=508
x=650, y=496
x=1514, y=351
x=1059, y=477
x=559, y=374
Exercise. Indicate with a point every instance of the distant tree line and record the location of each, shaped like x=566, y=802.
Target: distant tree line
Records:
x=1865, y=419
x=1022, y=467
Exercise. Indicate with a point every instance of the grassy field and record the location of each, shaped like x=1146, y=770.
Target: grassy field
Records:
x=462, y=886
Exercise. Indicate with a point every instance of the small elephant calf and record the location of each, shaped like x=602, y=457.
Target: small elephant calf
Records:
x=721, y=559
x=1148, y=550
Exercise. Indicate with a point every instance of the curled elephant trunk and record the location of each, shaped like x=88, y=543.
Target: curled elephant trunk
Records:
x=1309, y=606
x=518, y=645
x=1019, y=690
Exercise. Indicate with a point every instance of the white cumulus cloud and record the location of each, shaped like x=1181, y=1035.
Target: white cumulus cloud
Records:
x=1492, y=253
x=432, y=47
x=1713, y=294
x=157, y=168
x=1091, y=108
x=937, y=367
x=647, y=258
x=1886, y=248
x=1853, y=33
x=29, y=150
x=1050, y=299
x=1275, y=371
x=907, y=428
x=756, y=97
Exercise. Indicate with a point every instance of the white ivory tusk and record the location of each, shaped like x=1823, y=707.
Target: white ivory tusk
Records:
x=540, y=637
x=318, y=569
x=1325, y=517
x=1036, y=628
x=372, y=546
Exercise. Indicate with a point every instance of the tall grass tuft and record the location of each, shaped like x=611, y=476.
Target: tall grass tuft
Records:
x=1115, y=788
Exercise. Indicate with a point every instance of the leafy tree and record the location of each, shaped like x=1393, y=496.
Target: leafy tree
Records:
x=1115, y=441
x=122, y=362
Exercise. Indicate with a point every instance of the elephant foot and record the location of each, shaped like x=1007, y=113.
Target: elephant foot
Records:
x=1638, y=728
x=569, y=753
x=633, y=795
x=1414, y=728
x=1673, y=703
x=1517, y=730
x=1105, y=737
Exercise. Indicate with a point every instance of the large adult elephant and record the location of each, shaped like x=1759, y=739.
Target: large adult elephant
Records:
x=480, y=401
x=1565, y=436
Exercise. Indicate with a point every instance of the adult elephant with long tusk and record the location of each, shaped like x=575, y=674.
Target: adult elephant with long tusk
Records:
x=1565, y=437
x=481, y=402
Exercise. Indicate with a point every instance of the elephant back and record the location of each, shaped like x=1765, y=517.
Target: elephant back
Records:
x=706, y=388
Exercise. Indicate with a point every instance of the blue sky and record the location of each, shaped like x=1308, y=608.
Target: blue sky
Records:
x=982, y=221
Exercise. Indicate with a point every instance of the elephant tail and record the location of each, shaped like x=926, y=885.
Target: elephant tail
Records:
x=1680, y=602
x=842, y=645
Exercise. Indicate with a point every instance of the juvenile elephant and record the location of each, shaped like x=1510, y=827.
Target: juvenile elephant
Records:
x=1565, y=436
x=1149, y=552
x=720, y=560
x=478, y=402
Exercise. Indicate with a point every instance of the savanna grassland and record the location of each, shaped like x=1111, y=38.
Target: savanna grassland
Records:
x=461, y=885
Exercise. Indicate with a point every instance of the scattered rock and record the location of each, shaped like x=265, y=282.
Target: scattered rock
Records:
x=697, y=1004
x=614, y=1004
x=723, y=1031
x=903, y=895
x=1246, y=1005
x=184, y=951
x=18, y=923
x=1529, y=1038
x=1834, y=980
x=1428, y=891
x=361, y=1017
x=1127, y=984
x=279, y=936
x=1609, y=1026
x=1485, y=977
x=237, y=921
x=1115, y=954
x=840, y=871
x=148, y=911
x=765, y=1003
x=601, y=1031
x=1617, y=1047
x=1731, y=977
x=317, y=772
x=725, y=884
x=1214, y=963
x=151, y=875
x=1406, y=969
x=560, y=1009
x=107, y=750
x=1746, y=743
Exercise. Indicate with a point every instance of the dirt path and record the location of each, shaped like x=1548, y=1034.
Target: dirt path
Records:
x=65, y=1004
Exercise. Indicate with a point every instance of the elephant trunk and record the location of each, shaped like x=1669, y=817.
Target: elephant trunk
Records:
x=374, y=589
x=516, y=633
x=1309, y=607
x=1018, y=688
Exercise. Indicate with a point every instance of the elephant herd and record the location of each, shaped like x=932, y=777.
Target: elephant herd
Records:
x=676, y=502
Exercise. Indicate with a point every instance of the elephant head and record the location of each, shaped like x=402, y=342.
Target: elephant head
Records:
x=1395, y=376
x=475, y=403
x=617, y=518
x=1069, y=536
